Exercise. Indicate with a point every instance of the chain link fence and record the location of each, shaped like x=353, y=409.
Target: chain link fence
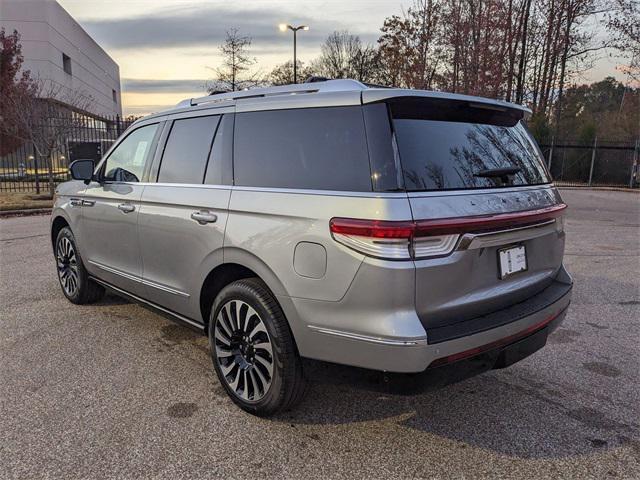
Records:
x=23, y=170
x=599, y=164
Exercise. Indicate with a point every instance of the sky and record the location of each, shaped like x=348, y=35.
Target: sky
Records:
x=167, y=49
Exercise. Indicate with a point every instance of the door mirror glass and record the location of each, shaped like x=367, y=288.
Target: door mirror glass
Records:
x=82, y=170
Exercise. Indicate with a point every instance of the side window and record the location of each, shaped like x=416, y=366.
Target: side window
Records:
x=126, y=162
x=185, y=155
x=317, y=148
x=219, y=170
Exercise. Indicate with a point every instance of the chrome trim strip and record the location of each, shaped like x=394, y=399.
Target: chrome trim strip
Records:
x=134, y=278
x=154, y=305
x=332, y=193
x=470, y=241
x=480, y=191
x=367, y=338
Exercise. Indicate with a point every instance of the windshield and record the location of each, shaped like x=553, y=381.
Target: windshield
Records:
x=446, y=145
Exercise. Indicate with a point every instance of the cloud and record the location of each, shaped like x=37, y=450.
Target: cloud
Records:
x=205, y=25
x=144, y=85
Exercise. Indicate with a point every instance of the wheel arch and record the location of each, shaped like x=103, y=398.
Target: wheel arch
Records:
x=57, y=224
x=238, y=264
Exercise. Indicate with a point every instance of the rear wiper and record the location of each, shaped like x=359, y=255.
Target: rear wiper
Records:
x=502, y=173
x=497, y=172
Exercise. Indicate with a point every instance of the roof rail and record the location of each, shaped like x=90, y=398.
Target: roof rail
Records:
x=296, y=89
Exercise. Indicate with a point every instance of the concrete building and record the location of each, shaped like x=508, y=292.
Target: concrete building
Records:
x=56, y=47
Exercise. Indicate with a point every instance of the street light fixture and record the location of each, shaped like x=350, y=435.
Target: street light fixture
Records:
x=283, y=28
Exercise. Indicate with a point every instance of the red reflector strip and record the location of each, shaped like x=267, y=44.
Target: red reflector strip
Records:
x=372, y=228
x=493, y=345
x=442, y=226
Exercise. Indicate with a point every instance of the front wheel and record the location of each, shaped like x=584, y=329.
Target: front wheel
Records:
x=74, y=279
x=253, y=350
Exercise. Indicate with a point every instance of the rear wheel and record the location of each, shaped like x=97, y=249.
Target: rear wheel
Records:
x=73, y=277
x=253, y=350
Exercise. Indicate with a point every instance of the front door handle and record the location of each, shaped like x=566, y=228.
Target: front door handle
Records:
x=126, y=207
x=204, y=217
x=88, y=203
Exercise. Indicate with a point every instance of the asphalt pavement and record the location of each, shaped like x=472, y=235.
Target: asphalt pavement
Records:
x=113, y=390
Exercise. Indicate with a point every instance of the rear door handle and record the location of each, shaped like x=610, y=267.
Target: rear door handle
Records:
x=204, y=217
x=126, y=207
x=88, y=203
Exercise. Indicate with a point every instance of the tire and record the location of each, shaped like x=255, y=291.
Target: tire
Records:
x=72, y=275
x=248, y=332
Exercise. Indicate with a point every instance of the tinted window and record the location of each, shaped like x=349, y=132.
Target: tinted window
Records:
x=219, y=169
x=319, y=148
x=185, y=155
x=386, y=173
x=126, y=162
x=458, y=145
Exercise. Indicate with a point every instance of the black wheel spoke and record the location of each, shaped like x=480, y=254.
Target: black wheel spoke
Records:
x=243, y=350
x=67, y=264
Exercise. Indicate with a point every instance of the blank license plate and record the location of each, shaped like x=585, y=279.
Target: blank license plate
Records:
x=512, y=260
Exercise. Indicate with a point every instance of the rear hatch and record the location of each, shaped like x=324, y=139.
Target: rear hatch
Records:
x=476, y=182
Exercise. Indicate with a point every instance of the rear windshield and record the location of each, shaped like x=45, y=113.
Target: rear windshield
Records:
x=447, y=145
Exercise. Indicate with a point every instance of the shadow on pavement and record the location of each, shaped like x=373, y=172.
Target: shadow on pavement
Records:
x=489, y=411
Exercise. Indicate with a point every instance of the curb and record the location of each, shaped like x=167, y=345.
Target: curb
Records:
x=25, y=212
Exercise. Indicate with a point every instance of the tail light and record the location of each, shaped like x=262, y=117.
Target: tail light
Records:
x=390, y=240
x=405, y=240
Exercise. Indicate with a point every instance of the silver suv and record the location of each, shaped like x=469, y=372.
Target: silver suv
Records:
x=396, y=230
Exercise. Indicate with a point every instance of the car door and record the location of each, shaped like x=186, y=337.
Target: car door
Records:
x=183, y=214
x=110, y=210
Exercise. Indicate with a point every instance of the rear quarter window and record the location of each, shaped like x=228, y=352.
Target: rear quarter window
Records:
x=446, y=145
x=317, y=148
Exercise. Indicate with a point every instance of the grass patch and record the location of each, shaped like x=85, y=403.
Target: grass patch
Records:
x=24, y=201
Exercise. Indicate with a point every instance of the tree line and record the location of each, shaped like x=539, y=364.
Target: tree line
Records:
x=525, y=51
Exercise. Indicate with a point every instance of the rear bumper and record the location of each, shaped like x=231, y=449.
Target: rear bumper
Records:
x=417, y=352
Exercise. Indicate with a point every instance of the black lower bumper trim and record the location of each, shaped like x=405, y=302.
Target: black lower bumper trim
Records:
x=550, y=295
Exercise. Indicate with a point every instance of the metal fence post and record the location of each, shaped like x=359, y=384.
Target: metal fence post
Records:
x=593, y=158
x=634, y=164
x=553, y=141
x=35, y=168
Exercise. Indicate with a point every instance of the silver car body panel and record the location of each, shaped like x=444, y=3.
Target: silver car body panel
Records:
x=342, y=306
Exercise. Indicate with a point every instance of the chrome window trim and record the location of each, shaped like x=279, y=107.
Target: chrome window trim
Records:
x=331, y=193
x=135, y=278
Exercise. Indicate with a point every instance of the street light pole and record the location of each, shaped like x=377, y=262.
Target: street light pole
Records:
x=283, y=27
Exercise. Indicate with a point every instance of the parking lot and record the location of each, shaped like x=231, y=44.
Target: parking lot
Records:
x=115, y=391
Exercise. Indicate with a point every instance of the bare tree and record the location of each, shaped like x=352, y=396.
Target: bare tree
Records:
x=283, y=74
x=235, y=71
x=45, y=116
x=14, y=81
x=410, y=46
x=343, y=55
x=623, y=22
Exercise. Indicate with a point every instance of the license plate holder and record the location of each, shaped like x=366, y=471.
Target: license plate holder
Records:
x=512, y=260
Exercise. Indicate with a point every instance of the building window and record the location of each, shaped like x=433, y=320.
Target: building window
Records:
x=114, y=95
x=66, y=63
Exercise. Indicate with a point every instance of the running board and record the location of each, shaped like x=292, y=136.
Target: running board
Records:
x=165, y=312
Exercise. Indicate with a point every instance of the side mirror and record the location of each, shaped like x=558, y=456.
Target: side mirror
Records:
x=82, y=170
